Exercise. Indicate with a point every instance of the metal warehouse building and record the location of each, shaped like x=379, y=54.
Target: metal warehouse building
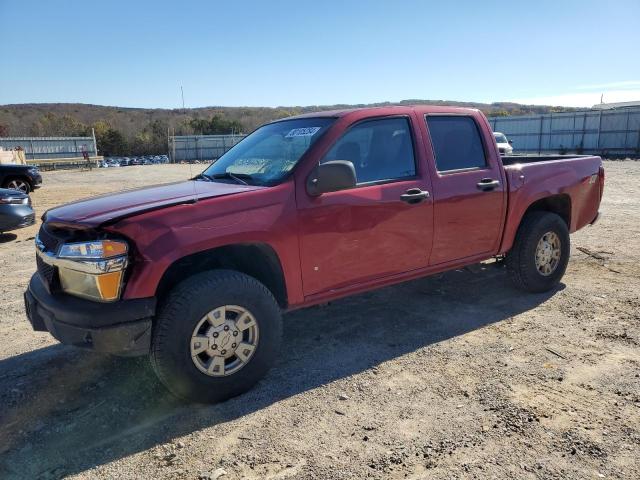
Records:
x=39, y=148
x=200, y=147
x=600, y=131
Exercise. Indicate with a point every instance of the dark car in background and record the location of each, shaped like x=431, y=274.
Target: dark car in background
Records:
x=15, y=210
x=24, y=178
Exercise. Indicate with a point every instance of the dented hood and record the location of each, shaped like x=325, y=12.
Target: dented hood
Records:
x=92, y=212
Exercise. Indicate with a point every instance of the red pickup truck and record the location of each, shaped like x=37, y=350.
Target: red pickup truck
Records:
x=304, y=210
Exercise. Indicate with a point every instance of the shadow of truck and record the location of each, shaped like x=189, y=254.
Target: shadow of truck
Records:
x=66, y=410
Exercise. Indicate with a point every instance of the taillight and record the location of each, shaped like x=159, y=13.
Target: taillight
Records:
x=601, y=180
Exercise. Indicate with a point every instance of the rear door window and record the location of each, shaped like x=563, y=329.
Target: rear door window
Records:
x=456, y=142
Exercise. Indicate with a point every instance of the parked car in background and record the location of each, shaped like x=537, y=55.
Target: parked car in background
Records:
x=504, y=145
x=15, y=210
x=195, y=274
x=24, y=178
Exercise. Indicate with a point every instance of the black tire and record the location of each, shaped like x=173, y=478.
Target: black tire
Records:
x=186, y=305
x=521, y=260
x=9, y=183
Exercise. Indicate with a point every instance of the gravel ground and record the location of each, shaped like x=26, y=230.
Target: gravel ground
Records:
x=453, y=376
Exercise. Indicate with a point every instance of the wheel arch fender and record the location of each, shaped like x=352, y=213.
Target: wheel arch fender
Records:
x=559, y=203
x=258, y=260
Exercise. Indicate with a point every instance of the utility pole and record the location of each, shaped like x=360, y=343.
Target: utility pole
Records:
x=173, y=145
x=182, y=93
x=95, y=144
x=168, y=141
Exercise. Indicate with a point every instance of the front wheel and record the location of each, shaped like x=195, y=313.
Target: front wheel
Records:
x=540, y=253
x=218, y=334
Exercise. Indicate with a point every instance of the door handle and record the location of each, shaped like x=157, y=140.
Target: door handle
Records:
x=414, y=195
x=488, y=184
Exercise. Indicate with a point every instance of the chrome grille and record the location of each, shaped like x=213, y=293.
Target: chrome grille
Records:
x=49, y=241
x=47, y=272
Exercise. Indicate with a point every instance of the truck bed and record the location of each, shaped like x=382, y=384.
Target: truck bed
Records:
x=569, y=181
x=513, y=159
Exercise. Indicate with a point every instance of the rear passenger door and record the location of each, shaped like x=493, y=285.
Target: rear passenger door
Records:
x=468, y=189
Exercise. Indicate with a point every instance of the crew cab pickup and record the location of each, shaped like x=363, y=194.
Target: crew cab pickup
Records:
x=304, y=210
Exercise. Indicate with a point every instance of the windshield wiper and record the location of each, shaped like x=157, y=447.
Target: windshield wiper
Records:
x=238, y=177
x=204, y=176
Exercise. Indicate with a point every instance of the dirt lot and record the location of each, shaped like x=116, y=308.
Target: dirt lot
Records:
x=456, y=376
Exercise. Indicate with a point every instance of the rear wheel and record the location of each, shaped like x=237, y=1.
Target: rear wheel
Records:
x=18, y=184
x=540, y=253
x=218, y=334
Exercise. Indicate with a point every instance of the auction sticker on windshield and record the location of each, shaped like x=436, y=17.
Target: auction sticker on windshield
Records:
x=302, y=132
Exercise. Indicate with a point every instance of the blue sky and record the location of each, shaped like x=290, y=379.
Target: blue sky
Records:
x=270, y=53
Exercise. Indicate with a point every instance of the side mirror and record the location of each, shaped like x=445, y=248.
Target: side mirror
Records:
x=330, y=177
x=510, y=142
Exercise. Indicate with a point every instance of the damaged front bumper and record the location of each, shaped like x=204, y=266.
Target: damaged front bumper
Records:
x=121, y=328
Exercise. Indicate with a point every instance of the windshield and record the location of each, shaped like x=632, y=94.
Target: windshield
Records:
x=500, y=138
x=268, y=154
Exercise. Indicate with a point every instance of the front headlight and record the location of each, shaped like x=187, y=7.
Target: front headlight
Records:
x=99, y=249
x=11, y=200
x=93, y=270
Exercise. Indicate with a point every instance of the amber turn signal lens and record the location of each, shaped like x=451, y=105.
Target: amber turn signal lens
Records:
x=112, y=248
x=109, y=285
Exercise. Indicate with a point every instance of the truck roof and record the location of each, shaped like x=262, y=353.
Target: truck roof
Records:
x=385, y=110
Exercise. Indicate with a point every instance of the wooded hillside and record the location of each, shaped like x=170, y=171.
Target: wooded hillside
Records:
x=137, y=131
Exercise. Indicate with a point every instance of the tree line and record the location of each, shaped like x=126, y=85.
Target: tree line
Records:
x=143, y=131
x=150, y=139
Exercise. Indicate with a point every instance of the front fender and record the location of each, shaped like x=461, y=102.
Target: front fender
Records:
x=162, y=237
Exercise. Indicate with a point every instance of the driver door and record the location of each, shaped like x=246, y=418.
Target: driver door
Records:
x=370, y=231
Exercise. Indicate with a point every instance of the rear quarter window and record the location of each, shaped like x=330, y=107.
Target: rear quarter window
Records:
x=456, y=142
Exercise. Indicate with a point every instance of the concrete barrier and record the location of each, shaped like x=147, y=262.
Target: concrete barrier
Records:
x=46, y=164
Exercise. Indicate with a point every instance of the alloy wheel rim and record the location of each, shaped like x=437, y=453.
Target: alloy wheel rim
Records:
x=548, y=252
x=17, y=185
x=224, y=340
